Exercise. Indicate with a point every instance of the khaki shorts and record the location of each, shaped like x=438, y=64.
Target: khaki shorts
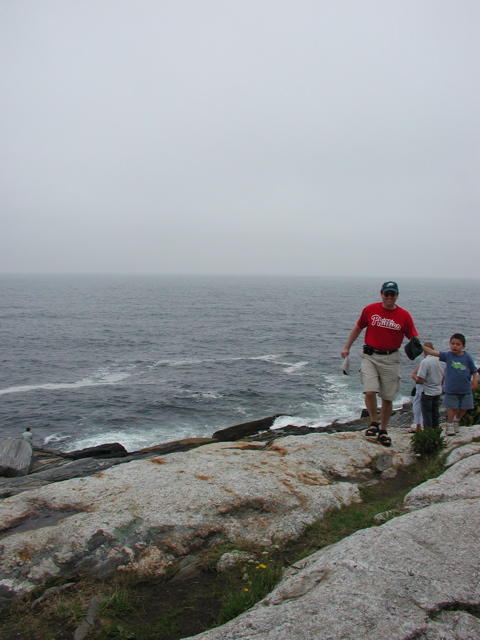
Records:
x=381, y=374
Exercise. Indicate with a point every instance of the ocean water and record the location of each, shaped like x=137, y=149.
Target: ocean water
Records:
x=147, y=359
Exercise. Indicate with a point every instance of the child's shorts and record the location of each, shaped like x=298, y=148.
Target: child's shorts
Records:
x=458, y=401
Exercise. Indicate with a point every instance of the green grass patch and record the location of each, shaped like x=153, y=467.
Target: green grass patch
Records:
x=340, y=523
x=246, y=585
x=120, y=603
x=384, y=498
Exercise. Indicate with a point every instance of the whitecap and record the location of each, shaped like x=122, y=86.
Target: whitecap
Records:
x=177, y=363
x=289, y=367
x=136, y=440
x=294, y=367
x=54, y=437
x=209, y=395
x=267, y=358
x=102, y=377
x=288, y=421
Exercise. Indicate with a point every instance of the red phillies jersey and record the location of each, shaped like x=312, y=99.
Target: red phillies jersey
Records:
x=385, y=329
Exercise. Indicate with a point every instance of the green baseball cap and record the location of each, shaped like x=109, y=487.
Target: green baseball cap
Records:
x=413, y=348
x=389, y=286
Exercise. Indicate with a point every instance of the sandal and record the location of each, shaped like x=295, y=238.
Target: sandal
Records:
x=373, y=430
x=384, y=439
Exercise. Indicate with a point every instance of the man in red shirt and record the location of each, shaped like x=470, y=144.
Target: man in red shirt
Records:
x=386, y=325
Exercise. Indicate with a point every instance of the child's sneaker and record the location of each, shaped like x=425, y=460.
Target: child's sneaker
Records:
x=449, y=429
x=456, y=426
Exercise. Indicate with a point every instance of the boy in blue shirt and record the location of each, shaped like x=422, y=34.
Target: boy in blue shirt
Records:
x=460, y=378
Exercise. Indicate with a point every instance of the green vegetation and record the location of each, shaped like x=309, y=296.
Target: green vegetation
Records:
x=247, y=584
x=156, y=608
x=472, y=417
x=427, y=442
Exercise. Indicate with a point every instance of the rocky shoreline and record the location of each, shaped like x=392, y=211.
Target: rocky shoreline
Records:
x=147, y=511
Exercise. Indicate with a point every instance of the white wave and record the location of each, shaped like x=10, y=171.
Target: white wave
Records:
x=54, y=437
x=299, y=421
x=208, y=395
x=130, y=442
x=176, y=363
x=344, y=405
x=287, y=421
x=135, y=440
x=399, y=402
x=293, y=368
x=103, y=377
x=289, y=367
x=186, y=362
x=267, y=358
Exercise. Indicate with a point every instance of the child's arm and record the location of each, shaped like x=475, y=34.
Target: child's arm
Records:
x=475, y=381
x=431, y=352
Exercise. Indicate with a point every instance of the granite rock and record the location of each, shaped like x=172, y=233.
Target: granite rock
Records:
x=395, y=581
x=390, y=581
x=459, y=482
x=145, y=515
x=416, y=576
x=16, y=457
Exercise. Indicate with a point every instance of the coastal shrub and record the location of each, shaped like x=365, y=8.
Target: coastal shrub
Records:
x=427, y=443
x=472, y=417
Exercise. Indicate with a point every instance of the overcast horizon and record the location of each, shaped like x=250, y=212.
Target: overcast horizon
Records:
x=217, y=137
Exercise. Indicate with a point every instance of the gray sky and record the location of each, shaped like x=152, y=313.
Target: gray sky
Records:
x=303, y=137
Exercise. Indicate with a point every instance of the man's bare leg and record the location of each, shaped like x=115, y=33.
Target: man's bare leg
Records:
x=387, y=406
x=371, y=404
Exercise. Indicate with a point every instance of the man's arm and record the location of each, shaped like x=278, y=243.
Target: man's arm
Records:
x=354, y=333
x=431, y=352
